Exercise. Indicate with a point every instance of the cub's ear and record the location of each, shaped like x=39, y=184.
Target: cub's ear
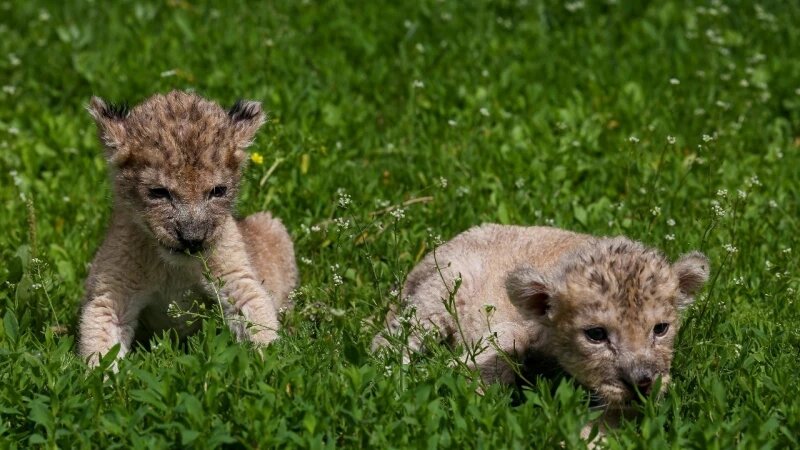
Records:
x=110, y=120
x=246, y=118
x=692, y=270
x=530, y=291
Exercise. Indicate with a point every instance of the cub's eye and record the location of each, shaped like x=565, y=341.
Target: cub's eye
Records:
x=596, y=334
x=660, y=329
x=218, y=191
x=159, y=193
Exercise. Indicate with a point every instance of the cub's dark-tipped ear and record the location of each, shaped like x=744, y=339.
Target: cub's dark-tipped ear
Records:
x=246, y=118
x=692, y=270
x=530, y=291
x=110, y=120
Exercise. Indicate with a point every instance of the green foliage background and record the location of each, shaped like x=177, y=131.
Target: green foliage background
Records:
x=608, y=117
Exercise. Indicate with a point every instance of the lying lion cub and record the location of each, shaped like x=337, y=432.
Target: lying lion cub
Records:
x=605, y=308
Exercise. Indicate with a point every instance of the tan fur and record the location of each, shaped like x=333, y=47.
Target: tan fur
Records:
x=546, y=287
x=175, y=163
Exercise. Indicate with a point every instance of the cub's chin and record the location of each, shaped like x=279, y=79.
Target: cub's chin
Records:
x=177, y=257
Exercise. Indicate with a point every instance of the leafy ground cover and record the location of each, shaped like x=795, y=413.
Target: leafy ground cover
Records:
x=394, y=125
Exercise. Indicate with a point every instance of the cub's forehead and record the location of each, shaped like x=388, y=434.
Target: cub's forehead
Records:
x=620, y=272
x=179, y=129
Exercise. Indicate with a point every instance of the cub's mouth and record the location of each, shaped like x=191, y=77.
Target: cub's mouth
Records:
x=182, y=250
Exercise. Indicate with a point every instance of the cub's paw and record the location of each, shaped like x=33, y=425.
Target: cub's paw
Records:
x=262, y=336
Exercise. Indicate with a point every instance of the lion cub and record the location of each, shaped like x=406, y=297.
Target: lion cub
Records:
x=175, y=163
x=606, y=309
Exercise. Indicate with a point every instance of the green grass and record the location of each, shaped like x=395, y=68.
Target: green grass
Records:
x=533, y=112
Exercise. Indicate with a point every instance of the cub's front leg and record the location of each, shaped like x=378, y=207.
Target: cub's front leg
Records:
x=249, y=308
x=110, y=310
x=505, y=344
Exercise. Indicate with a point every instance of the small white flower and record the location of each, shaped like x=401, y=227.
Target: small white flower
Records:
x=484, y=112
x=443, y=182
x=344, y=198
x=787, y=250
x=485, y=73
x=418, y=84
x=656, y=211
x=168, y=73
x=730, y=248
x=419, y=47
x=14, y=59
x=452, y=122
x=671, y=140
x=13, y=130
x=520, y=183
x=574, y=6
x=316, y=228
x=719, y=211
x=742, y=194
x=753, y=181
x=394, y=293
x=773, y=204
x=306, y=261
x=9, y=89
x=674, y=81
x=342, y=223
x=671, y=222
x=633, y=139
x=398, y=213
x=707, y=138
x=462, y=191
x=669, y=237
x=722, y=193
x=337, y=279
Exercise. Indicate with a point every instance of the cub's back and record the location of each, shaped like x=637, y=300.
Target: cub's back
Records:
x=483, y=256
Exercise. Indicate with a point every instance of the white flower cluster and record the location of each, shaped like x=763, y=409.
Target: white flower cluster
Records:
x=337, y=278
x=719, y=211
x=344, y=198
x=398, y=213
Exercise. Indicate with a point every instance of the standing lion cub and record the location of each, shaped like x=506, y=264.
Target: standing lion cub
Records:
x=175, y=163
x=606, y=309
